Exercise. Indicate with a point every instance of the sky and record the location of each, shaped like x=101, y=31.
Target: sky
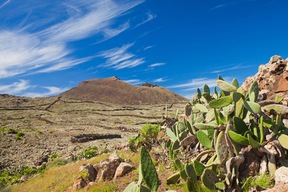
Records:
x=48, y=47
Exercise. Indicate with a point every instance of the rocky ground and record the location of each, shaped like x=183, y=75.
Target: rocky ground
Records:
x=66, y=127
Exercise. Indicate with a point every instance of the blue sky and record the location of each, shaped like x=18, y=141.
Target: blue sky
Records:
x=47, y=47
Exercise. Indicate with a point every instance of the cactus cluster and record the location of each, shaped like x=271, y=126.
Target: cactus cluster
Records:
x=225, y=124
x=209, y=143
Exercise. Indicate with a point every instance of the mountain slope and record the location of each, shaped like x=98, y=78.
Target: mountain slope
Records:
x=113, y=90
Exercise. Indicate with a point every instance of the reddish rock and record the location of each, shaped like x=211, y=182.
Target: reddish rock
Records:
x=272, y=79
x=282, y=85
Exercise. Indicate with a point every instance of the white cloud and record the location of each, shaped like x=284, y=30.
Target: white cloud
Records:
x=5, y=3
x=22, y=88
x=197, y=83
x=134, y=81
x=188, y=89
x=38, y=48
x=120, y=58
x=160, y=80
x=51, y=91
x=156, y=65
x=149, y=17
x=231, y=68
x=148, y=47
x=220, y=6
x=110, y=32
x=98, y=18
x=229, y=4
x=15, y=88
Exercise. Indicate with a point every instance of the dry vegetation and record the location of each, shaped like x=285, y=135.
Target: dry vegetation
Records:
x=47, y=129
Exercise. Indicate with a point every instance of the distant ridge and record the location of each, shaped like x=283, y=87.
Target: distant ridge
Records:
x=113, y=90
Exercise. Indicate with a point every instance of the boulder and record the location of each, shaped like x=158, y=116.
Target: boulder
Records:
x=123, y=169
x=91, y=173
x=107, y=168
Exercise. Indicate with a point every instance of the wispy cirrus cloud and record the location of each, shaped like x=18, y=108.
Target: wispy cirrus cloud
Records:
x=197, y=83
x=5, y=3
x=160, y=80
x=230, y=3
x=194, y=84
x=43, y=46
x=112, y=32
x=15, y=88
x=49, y=91
x=148, y=47
x=149, y=17
x=236, y=67
x=120, y=58
x=189, y=88
x=220, y=6
x=156, y=65
x=134, y=81
x=25, y=86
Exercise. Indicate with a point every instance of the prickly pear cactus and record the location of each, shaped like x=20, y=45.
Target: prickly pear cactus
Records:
x=209, y=179
x=237, y=123
x=283, y=139
x=148, y=170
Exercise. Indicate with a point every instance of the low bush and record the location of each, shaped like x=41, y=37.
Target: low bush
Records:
x=147, y=137
x=89, y=152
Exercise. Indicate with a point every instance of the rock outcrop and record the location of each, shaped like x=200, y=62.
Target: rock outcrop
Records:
x=272, y=79
x=111, y=168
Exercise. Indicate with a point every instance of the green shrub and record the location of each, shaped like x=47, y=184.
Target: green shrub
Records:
x=57, y=163
x=39, y=132
x=19, y=135
x=54, y=156
x=263, y=181
x=89, y=152
x=13, y=176
x=147, y=136
x=27, y=171
x=6, y=179
x=12, y=131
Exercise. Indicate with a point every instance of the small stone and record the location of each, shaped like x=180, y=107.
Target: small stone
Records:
x=281, y=175
x=23, y=179
x=90, y=184
x=79, y=183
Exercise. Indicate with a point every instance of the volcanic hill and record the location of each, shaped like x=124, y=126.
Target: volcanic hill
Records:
x=113, y=90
